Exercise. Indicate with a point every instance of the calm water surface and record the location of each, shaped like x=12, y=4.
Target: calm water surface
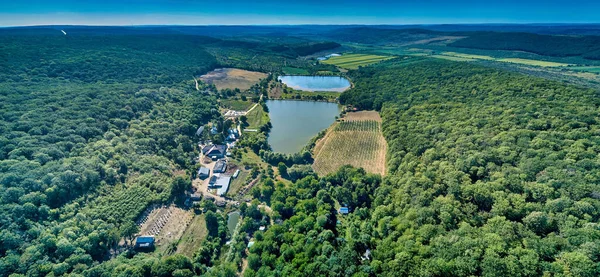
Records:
x=296, y=122
x=316, y=83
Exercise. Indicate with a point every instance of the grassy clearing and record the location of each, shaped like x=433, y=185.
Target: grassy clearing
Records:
x=257, y=117
x=294, y=71
x=461, y=57
x=238, y=183
x=193, y=236
x=532, y=62
x=468, y=56
x=353, y=61
x=452, y=58
x=237, y=105
x=357, y=141
x=591, y=69
x=231, y=78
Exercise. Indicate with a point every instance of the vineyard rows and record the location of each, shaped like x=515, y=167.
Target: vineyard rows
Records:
x=122, y=204
x=357, y=143
x=363, y=126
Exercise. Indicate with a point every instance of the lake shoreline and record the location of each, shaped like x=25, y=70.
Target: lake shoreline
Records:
x=296, y=122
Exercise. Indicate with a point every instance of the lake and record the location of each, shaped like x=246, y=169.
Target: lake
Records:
x=316, y=83
x=296, y=122
x=232, y=221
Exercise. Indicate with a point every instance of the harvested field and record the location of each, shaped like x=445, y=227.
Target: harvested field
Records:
x=357, y=141
x=232, y=78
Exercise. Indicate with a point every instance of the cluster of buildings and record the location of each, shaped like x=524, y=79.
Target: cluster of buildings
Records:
x=219, y=180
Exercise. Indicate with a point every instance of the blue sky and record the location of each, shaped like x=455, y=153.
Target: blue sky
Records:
x=236, y=12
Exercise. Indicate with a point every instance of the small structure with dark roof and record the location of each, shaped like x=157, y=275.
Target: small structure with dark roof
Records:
x=220, y=166
x=203, y=173
x=213, y=180
x=145, y=242
x=215, y=151
x=196, y=196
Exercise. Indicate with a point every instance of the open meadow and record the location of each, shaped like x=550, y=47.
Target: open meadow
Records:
x=357, y=141
x=193, y=236
x=231, y=78
x=353, y=61
x=532, y=62
x=257, y=117
x=591, y=69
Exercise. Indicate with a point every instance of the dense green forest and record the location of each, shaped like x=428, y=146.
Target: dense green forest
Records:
x=490, y=173
x=587, y=47
x=92, y=130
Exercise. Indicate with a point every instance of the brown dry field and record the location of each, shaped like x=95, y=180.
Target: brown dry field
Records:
x=232, y=78
x=363, y=115
x=366, y=149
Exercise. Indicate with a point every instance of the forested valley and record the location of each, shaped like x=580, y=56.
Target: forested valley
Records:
x=488, y=172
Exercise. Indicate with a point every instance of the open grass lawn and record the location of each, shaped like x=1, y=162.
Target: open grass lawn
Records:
x=356, y=141
x=294, y=71
x=532, y=62
x=237, y=105
x=193, y=236
x=353, y=61
x=257, y=117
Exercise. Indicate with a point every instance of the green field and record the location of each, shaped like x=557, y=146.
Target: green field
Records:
x=257, y=117
x=193, y=236
x=294, y=71
x=238, y=183
x=353, y=61
x=591, y=69
x=532, y=62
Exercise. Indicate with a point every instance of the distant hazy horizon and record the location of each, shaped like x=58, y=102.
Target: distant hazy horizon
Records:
x=271, y=12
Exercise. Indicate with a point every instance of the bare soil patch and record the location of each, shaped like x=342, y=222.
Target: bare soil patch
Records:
x=232, y=78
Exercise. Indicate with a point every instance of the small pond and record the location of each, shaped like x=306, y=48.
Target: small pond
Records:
x=232, y=221
x=316, y=83
x=296, y=122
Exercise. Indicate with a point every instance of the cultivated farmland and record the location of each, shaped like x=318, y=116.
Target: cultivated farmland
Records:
x=357, y=141
x=353, y=61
